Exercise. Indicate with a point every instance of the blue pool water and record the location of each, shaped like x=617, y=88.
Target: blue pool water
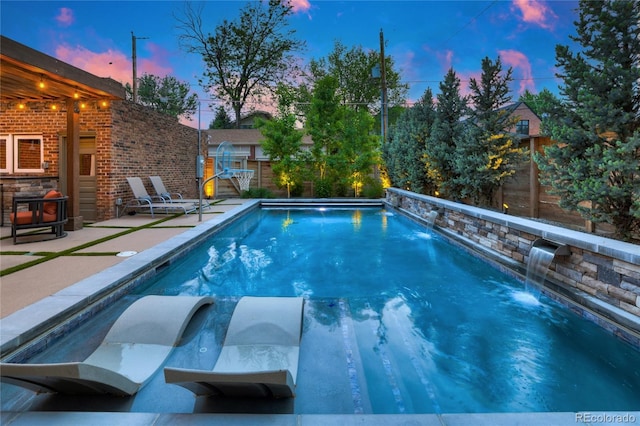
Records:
x=397, y=320
x=413, y=323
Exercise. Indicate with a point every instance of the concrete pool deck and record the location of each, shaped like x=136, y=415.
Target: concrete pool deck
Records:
x=92, y=251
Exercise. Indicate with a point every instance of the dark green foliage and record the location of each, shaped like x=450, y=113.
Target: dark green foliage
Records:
x=166, y=94
x=344, y=149
x=221, y=119
x=323, y=188
x=373, y=189
x=324, y=124
x=282, y=143
x=351, y=67
x=447, y=131
x=487, y=154
x=404, y=152
x=257, y=193
x=595, y=166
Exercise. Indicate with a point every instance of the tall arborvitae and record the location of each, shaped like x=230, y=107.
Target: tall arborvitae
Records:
x=595, y=166
x=404, y=151
x=446, y=131
x=488, y=153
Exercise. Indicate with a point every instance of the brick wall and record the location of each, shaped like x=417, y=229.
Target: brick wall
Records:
x=601, y=273
x=131, y=140
x=146, y=143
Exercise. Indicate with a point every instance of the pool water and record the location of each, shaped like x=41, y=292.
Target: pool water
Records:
x=414, y=324
x=397, y=320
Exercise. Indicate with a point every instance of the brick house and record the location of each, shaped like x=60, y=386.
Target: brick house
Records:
x=61, y=127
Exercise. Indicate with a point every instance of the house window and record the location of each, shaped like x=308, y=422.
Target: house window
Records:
x=5, y=154
x=21, y=153
x=522, y=128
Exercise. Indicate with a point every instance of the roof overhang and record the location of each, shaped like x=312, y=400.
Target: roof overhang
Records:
x=23, y=68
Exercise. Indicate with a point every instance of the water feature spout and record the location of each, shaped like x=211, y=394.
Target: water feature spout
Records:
x=431, y=219
x=541, y=255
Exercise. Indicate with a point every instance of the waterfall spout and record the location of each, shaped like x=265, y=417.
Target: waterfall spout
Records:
x=541, y=255
x=431, y=219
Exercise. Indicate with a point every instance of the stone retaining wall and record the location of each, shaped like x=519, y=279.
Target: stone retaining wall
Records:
x=600, y=274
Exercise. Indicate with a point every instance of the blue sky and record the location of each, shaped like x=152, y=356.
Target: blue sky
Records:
x=424, y=37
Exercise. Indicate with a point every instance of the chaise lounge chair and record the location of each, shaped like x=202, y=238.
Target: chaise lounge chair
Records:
x=142, y=200
x=173, y=197
x=137, y=345
x=259, y=357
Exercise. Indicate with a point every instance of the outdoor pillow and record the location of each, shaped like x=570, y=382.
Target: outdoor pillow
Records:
x=50, y=208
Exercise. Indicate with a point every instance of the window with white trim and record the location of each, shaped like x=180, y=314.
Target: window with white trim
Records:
x=21, y=153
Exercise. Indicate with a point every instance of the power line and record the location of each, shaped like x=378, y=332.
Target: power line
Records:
x=469, y=22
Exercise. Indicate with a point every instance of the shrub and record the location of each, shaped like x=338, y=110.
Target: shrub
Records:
x=257, y=193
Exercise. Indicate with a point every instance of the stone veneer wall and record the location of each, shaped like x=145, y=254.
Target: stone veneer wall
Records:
x=601, y=274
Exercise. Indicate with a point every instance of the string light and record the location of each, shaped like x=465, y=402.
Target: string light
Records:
x=54, y=105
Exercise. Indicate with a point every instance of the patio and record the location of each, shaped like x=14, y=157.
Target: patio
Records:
x=84, y=252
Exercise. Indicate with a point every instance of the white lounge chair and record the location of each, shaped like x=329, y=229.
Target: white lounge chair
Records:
x=173, y=197
x=135, y=347
x=259, y=357
x=142, y=200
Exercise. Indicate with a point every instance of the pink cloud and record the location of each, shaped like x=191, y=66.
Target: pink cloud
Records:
x=65, y=18
x=522, y=67
x=158, y=63
x=112, y=63
x=536, y=12
x=300, y=6
x=446, y=59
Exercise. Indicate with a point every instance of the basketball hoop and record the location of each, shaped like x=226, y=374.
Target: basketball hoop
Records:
x=244, y=178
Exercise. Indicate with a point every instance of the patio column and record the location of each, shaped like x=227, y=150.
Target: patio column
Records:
x=73, y=167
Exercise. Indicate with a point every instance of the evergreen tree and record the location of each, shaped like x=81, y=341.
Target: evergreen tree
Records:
x=595, y=166
x=487, y=154
x=221, y=119
x=447, y=131
x=404, y=151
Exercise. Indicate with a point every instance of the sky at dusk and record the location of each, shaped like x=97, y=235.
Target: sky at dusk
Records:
x=424, y=37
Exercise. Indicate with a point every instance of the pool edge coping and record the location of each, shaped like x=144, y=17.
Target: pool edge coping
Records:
x=41, y=318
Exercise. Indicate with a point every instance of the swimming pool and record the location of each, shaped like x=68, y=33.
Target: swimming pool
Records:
x=397, y=321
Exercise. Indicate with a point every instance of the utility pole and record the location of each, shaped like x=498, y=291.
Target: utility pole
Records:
x=383, y=82
x=134, y=62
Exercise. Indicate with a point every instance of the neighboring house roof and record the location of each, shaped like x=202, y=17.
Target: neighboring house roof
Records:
x=241, y=137
x=525, y=112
